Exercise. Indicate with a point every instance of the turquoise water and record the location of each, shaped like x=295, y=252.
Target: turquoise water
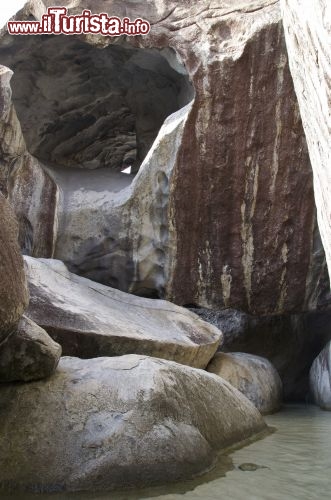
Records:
x=294, y=462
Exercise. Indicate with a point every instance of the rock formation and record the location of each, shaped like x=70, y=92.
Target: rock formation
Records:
x=320, y=378
x=252, y=375
x=89, y=319
x=31, y=191
x=210, y=219
x=290, y=343
x=13, y=288
x=28, y=354
x=217, y=213
x=308, y=38
x=120, y=421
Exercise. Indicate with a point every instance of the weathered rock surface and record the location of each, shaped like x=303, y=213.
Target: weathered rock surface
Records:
x=34, y=195
x=113, y=422
x=109, y=119
x=89, y=319
x=290, y=343
x=206, y=221
x=235, y=325
x=120, y=236
x=252, y=375
x=28, y=354
x=30, y=190
x=14, y=295
x=308, y=38
x=11, y=139
x=320, y=378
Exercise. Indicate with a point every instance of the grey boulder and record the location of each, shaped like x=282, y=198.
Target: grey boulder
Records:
x=90, y=320
x=114, y=422
x=254, y=376
x=320, y=378
x=28, y=354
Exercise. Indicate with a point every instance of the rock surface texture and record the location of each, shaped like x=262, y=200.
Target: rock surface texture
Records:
x=252, y=375
x=210, y=218
x=28, y=354
x=308, y=36
x=320, y=378
x=14, y=295
x=89, y=319
x=130, y=420
x=30, y=190
x=290, y=343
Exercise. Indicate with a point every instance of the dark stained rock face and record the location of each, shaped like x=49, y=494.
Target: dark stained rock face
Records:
x=221, y=212
x=241, y=242
x=14, y=295
x=28, y=354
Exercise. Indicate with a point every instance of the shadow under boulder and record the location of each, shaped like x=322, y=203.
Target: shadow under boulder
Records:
x=289, y=342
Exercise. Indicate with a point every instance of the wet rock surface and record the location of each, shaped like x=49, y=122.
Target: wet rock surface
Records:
x=88, y=319
x=127, y=421
x=28, y=354
x=252, y=375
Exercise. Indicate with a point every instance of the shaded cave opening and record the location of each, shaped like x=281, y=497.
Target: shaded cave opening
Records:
x=87, y=107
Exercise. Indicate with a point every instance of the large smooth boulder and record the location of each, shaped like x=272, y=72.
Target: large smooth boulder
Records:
x=28, y=354
x=89, y=319
x=254, y=376
x=118, y=422
x=320, y=378
x=14, y=295
x=308, y=37
x=210, y=218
